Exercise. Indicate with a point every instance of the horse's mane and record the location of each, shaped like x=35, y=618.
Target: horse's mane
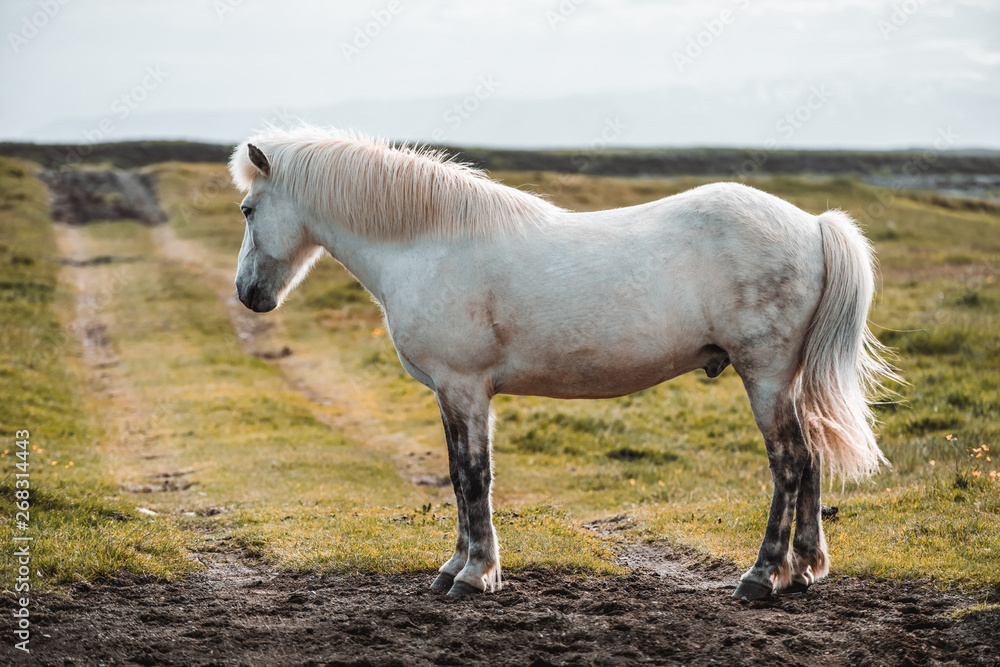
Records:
x=385, y=191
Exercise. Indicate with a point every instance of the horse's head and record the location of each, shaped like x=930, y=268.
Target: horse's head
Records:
x=277, y=249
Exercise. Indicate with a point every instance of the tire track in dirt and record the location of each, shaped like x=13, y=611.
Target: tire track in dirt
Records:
x=661, y=559
x=95, y=276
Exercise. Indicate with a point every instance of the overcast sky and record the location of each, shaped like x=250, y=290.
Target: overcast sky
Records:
x=839, y=73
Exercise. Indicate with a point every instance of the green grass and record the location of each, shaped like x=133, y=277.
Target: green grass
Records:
x=934, y=532
x=975, y=610
x=81, y=528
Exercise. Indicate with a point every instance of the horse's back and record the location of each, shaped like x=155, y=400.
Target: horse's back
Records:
x=728, y=246
x=650, y=292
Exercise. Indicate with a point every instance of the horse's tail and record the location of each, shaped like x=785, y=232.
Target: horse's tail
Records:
x=842, y=362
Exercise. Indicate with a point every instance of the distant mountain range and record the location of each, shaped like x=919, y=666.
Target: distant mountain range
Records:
x=817, y=116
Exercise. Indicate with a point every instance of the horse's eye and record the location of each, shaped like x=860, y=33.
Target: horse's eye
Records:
x=246, y=211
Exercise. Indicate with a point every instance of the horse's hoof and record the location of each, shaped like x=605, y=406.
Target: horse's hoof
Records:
x=748, y=591
x=795, y=588
x=462, y=588
x=443, y=582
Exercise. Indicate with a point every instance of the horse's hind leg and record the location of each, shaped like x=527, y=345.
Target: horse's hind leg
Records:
x=476, y=562
x=787, y=458
x=809, y=556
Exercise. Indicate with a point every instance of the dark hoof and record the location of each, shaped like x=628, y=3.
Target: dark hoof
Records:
x=443, y=582
x=462, y=588
x=796, y=588
x=748, y=591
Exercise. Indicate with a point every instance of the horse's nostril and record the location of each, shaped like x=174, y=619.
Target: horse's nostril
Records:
x=247, y=293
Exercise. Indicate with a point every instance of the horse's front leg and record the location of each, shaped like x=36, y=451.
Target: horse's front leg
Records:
x=788, y=457
x=475, y=565
x=446, y=575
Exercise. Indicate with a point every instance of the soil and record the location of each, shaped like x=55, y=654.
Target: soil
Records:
x=79, y=197
x=239, y=612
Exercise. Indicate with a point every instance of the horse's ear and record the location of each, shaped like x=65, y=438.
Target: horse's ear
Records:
x=259, y=160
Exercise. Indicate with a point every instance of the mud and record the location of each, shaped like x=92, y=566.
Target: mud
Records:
x=79, y=197
x=239, y=612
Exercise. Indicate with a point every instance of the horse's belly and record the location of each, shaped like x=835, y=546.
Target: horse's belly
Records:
x=582, y=375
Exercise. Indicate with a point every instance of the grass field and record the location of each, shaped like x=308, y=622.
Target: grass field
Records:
x=258, y=469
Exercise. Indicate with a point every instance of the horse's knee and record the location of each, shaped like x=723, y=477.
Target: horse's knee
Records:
x=787, y=452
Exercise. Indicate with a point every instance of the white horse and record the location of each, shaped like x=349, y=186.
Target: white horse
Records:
x=490, y=290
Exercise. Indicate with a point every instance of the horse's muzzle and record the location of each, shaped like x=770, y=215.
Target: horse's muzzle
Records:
x=254, y=298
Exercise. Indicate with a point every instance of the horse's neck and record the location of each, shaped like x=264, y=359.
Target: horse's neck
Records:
x=375, y=264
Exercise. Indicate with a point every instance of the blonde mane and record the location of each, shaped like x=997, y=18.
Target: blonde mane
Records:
x=388, y=192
